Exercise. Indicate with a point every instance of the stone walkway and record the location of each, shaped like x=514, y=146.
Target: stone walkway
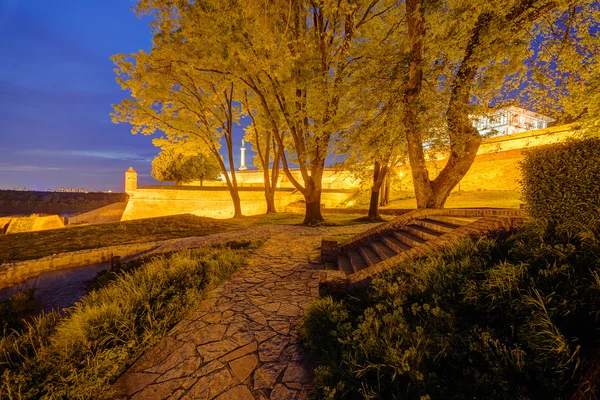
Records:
x=241, y=342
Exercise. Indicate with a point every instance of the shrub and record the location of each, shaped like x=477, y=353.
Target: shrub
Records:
x=80, y=354
x=513, y=318
x=561, y=182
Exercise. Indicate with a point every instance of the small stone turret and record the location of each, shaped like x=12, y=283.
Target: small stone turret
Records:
x=130, y=180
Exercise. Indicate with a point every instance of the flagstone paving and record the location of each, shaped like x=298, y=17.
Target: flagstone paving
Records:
x=241, y=342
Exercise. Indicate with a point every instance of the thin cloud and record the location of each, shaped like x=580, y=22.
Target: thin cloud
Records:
x=111, y=155
x=28, y=168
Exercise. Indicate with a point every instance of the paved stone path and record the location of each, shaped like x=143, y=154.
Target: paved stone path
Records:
x=241, y=342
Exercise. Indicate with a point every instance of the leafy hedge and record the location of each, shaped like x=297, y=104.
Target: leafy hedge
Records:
x=561, y=182
x=513, y=319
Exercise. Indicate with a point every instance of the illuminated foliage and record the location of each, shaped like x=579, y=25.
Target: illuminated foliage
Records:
x=172, y=166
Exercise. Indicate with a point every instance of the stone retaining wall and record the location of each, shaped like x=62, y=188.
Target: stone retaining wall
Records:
x=19, y=271
x=110, y=213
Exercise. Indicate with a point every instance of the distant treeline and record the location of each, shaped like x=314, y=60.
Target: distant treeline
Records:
x=17, y=202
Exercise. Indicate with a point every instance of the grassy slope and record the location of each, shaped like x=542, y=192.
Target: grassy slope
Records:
x=485, y=198
x=31, y=245
x=25, y=246
x=79, y=354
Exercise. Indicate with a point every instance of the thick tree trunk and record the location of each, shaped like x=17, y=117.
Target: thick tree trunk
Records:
x=312, y=196
x=374, y=205
x=270, y=198
x=313, y=214
x=201, y=180
x=464, y=138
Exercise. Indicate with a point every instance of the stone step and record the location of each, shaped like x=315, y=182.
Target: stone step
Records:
x=395, y=244
x=408, y=238
x=383, y=251
x=460, y=221
x=438, y=226
x=343, y=263
x=370, y=257
x=422, y=232
x=356, y=261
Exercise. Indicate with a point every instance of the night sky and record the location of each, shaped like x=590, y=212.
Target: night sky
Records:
x=56, y=90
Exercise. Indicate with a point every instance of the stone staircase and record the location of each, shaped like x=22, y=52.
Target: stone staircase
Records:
x=390, y=243
x=355, y=261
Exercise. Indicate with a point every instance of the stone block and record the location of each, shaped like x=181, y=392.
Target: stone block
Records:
x=329, y=250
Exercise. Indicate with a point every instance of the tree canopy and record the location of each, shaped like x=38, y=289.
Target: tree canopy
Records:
x=173, y=166
x=371, y=75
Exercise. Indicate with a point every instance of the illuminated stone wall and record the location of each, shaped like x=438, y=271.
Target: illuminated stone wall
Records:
x=32, y=223
x=332, y=179
x=214, y=202
x=495, y=168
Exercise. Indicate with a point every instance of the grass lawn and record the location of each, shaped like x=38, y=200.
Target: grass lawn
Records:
x=485, y=198
x=31, y=245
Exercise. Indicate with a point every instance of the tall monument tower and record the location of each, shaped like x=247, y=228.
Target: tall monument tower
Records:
x=243, y=157
x=130, y=180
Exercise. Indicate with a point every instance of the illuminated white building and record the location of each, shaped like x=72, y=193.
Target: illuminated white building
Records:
x=509, y=120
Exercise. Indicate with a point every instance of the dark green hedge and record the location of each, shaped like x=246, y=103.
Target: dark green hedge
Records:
x=561, y=182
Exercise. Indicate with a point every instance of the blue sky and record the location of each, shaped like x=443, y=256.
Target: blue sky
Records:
x=56, y=90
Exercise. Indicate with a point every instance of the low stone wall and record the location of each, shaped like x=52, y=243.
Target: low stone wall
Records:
x=110, y=213
x=34, y=223
x=13, y=273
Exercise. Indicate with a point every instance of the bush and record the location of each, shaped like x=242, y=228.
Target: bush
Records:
x=561, y=182
x=80, y=354
x=507, y=319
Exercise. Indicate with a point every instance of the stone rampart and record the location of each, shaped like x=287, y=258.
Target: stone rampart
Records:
x=32, y=223
x=110, y=213
x=496, y=166
x=214, y=202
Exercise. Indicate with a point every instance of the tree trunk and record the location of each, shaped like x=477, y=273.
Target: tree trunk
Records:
x=384, y=195
x=312, y=196
x=270, y=198
x=374, y=205
x=313, y=214
x=201, y=180
x=237, y=206
x=379, y=174
x=464, y=138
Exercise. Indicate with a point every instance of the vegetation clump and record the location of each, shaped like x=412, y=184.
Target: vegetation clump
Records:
x=562, y=182
x=78, y=355
x=505, y=318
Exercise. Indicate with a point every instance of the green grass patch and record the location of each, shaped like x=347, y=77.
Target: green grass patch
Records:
x=30, y=245
x=463, y=199
x=80, y=354
x=511, y=318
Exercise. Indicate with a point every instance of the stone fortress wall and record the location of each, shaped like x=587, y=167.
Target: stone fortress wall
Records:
x=496, y=167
